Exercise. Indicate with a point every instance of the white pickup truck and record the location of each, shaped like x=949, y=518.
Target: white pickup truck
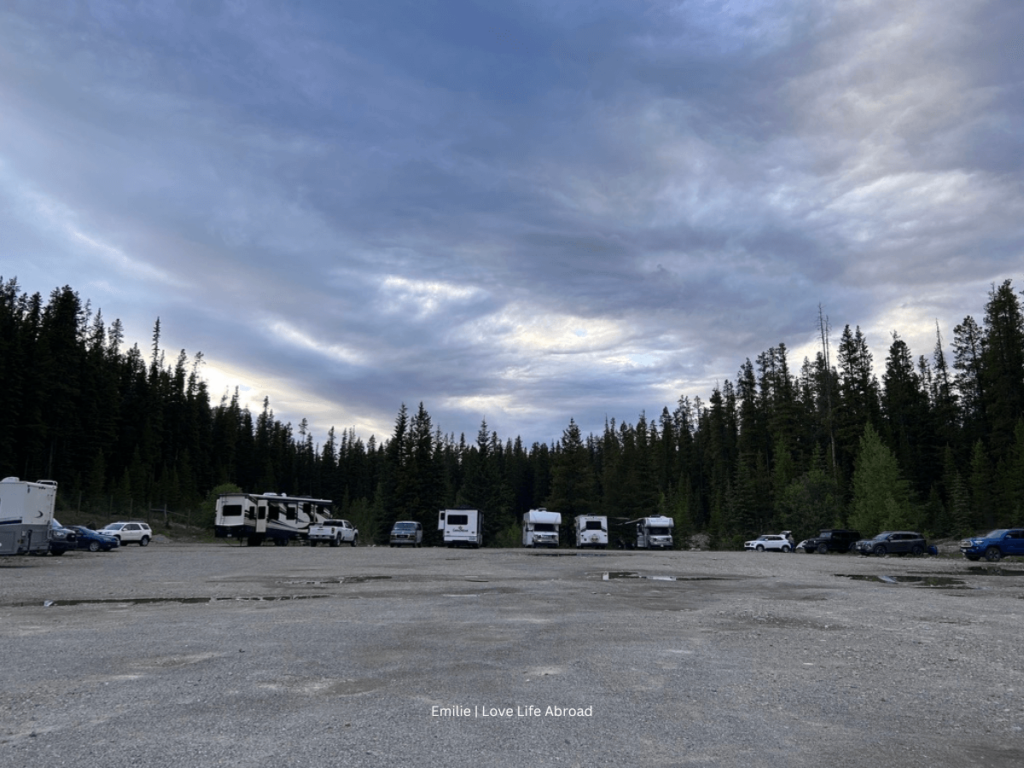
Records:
x=333, y=532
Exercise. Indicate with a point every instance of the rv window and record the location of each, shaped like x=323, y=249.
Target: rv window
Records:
x=458, y=519
x=594, y=525
x=291, y=511
x=262, y=514
x=231, y=510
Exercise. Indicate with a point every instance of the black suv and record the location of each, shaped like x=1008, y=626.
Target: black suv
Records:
x=831, y=540
x=894, y=543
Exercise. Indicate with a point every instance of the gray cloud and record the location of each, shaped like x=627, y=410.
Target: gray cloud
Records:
x=525, y=213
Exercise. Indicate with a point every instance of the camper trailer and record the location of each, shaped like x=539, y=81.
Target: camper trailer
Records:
x=540, y=528
x=591, y=531
x=275, y=516
x=26, y=510
x=653, y=532
x=461, y=527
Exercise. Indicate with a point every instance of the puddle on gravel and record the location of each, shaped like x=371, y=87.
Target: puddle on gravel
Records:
x=339, y=580
x=980, y=570
x=920, y=581
x=179, y=600
x=614, y=575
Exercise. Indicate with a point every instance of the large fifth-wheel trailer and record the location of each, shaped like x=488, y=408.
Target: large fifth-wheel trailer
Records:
x=257, y=517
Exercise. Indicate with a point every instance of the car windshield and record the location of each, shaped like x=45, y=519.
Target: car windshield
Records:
x=405, y=526
x=996, y=534
x=882, y=535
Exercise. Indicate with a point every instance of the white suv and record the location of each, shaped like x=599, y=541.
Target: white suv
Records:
x=129, y=532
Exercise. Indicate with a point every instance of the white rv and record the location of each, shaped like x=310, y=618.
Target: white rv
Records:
x=653, y=532
x=26, y=510
x=461, y=527
x=591, y=531
x=275, y=516
x=540, y=528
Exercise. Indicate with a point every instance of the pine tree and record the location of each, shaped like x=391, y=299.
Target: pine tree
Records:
x=881, y=496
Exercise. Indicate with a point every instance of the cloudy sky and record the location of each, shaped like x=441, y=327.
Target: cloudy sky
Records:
x=523, y=212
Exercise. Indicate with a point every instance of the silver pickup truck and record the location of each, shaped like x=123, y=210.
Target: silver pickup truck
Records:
x=333, y=532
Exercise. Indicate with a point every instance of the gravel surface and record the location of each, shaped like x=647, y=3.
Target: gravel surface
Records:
x=220, y=655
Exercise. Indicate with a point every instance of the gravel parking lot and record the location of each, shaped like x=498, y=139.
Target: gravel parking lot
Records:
x=220, y=655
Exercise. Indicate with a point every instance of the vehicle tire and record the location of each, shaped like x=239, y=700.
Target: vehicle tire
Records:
x=94, y=546
x=879, y=550
x=917, y=551
x=144, y=541
x=760, y=547
x=336, y=541
x=354, y=540
x=993, y=554
x=822, y=549
x=785, y=548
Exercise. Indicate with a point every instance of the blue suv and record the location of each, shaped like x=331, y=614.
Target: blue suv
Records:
x=994, y=544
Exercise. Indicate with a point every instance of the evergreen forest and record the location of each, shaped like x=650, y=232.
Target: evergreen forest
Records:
x=934, y=443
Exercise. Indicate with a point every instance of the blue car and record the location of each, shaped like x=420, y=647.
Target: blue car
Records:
x=994, y=544
x=93, y=541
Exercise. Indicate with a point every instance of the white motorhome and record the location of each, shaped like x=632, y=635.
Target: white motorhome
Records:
x=275, y=516
x=540, y=528
x=26, y=510
x=461, y=527
x=653, y=532
x=591, y=531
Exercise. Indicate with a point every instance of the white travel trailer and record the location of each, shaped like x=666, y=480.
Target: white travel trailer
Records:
x=540, y=528
x=26, y=510
x=275, y=516
x=653, y=532
x=591, y=531
x=461, y=527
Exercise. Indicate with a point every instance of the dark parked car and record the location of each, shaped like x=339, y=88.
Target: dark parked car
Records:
x=62, y=539
x=93, y=541
x=994, y=544
x=894, y=543
x=831, y=540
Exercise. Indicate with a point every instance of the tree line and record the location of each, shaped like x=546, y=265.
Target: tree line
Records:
x=936, y=444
